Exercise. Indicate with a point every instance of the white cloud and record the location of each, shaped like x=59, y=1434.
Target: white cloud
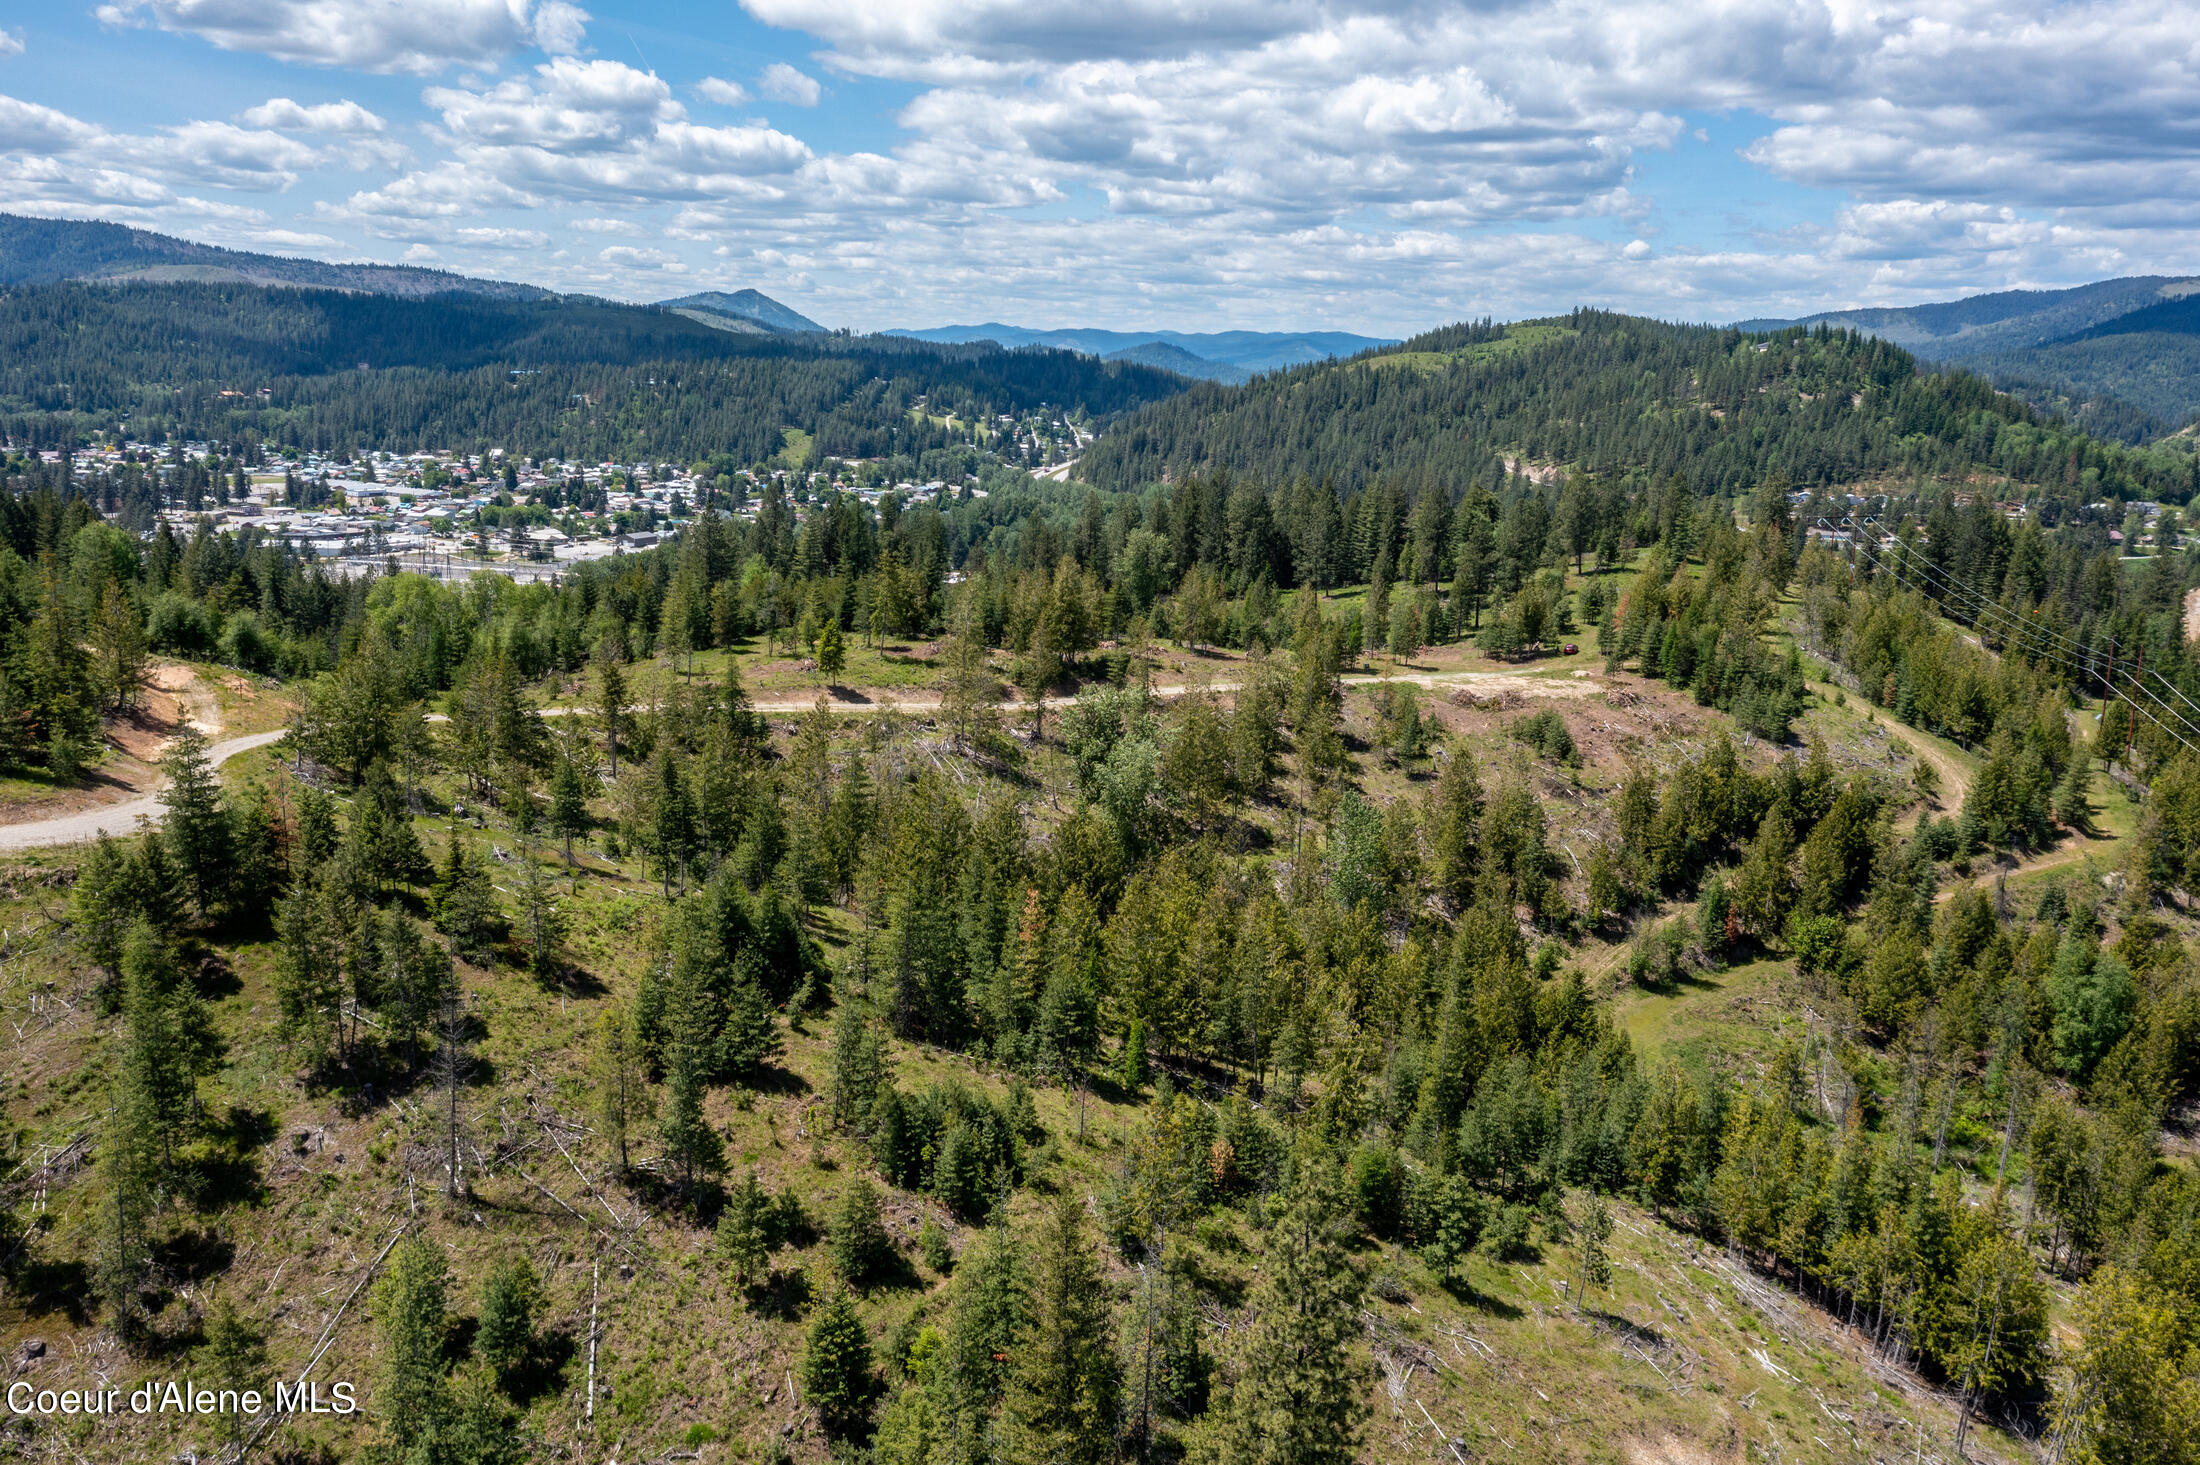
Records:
x=560, y=27
x=285, y=115
x=626, y=227
x=628, y=257
x=782, y=83
x=11, y=42
x=724, y=93
x=418, y=36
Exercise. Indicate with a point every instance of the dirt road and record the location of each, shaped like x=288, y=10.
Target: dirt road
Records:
x=118, y=819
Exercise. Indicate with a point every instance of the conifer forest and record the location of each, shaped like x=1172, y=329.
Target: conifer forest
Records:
x=1586, y=890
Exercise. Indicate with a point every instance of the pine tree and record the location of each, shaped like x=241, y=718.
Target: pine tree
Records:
x=119, y=668
x=129, y=1160
x=235, y=1358
x=861, y=1248
x=693, y=1148
x=465, y=904
x=1060, y=1404
x=859, y=1062
x=610, y=706
x=672, y=818
x=1297, y=1400
x=412, y=1397
x=505, y=1340
x=836, y=1367
x=308, y=974
x=542, y=922
x=620, y=1077
x=1166, y=1373
x=568, y=805
x=168, y=1036
x=1593, y=1235
x=744, y=1233
x=832, y=651
x=197, y=819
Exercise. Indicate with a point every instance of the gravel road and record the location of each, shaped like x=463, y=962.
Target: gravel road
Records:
x=116, y=819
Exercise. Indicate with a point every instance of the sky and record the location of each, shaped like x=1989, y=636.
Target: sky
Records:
x=1379, y=166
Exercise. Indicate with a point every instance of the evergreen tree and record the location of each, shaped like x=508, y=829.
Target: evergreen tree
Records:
x=169, y=1040
x=235, y=1355
x=1060, y=1404
x=309, y=975
x=465, y=904
x=611, y=715
x=568, y=805
x=859, y=1062
x=692, y=1146
x=197, y=819
x=505, y=1340
x=671, y=831
x=129, y=1159
x=1165, y=1372
x=1592, y=1235
x=861, y=1248
x=542, y=922
x=1297, y=1399
x=836, y=1367
x=119, y=639
x=832, y=651
x=744, y=1233
x=412, y=1397
x=619, y=1075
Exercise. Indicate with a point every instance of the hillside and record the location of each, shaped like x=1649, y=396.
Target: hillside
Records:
x=1175, y=358
x=749, y=306
x=2117, y=356
x=49, y=251
x=1616, y=394
x=572, y=375
x=1251, y=351
x=1649, y=997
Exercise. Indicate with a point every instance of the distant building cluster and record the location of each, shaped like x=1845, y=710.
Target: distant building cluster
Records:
x=452, y=514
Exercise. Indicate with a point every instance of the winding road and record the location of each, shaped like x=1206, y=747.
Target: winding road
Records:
x=117, y=819
x=122, y=818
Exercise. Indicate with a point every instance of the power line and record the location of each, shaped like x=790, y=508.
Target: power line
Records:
x=1943, y=585
x=1956, y=586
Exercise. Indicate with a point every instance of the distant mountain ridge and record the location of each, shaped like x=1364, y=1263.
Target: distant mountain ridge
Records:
x=51, y=251
x=1250, y=351
x=750, y=306
x=2004, y=320
x=2120, y=356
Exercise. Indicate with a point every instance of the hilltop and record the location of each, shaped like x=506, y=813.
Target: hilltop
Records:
x=2121, y=356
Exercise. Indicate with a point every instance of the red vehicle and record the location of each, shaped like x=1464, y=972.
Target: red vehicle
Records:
x=1571, y=648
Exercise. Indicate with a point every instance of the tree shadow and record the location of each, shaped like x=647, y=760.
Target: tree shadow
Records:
x=782, y=1294
x=55, y=1286
x=544, y=1371
x=194, y=1255
x=1465, y=1292
x=769, y=1078
x=1627, y=1327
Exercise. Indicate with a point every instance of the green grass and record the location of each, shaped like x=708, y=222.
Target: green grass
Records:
x=1517, y=340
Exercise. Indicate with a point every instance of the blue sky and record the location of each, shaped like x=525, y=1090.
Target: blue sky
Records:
x=1369, y=165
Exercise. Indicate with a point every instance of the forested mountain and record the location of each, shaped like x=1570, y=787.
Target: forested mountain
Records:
x=1181, y=361
x=2122, y=357
x=1621, y=395
x=752, y=306
x=48, y=251
x=566, y=375
x=1252, y=351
